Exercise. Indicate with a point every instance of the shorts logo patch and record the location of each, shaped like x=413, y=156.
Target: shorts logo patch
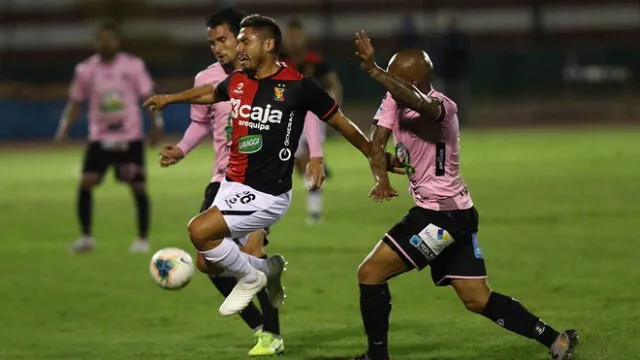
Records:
x=477, y=252
x=250, y=144
x=419, y=244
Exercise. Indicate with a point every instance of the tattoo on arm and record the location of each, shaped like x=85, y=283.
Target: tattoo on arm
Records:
x=408, y=95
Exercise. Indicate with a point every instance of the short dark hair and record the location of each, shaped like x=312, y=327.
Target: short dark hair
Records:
x=109, y=26
x=295, y=23
x=264, y=24
x=231, y=17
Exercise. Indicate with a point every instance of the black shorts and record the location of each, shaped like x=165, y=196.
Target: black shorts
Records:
x=210, y=194
x=127, y=158
x=461, y=260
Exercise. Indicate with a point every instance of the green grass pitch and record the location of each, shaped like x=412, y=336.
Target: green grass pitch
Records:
x=559, y=229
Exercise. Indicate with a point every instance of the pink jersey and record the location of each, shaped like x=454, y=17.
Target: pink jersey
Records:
x=433, y=167
x=114, y=91
x=213, y=119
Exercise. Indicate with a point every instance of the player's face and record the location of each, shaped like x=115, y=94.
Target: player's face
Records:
x=223, y=43
x=107, y=43
x=252, y=49
x=295, y=40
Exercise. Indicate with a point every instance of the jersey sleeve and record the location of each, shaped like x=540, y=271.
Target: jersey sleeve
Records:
x=199, y=111
x=222, y=89
x=78, y=91
x=388, y=112
x=447, y=109
x=144, y=82
x=317, y=100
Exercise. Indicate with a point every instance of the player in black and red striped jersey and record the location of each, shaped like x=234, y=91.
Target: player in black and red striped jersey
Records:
x=269, y=103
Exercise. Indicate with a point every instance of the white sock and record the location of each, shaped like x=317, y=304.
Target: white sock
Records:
x=260, y=264
x=314, y=202
x=228, y=256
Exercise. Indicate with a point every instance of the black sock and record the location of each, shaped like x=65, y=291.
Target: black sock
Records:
x=375, y=307
x=142, y=206
x=510, y=314
x=251, y=315
x=85, y=200
x=270, y=315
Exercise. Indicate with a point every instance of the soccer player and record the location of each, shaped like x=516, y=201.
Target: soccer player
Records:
x=310, y=64
x=268, y=104
x=442, y=229
x=222, y=31
x=113, y=83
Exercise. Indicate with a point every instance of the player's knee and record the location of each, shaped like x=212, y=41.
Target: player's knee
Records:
x=138, y=187
x=474, y=294
x=197, y=231
x=88, y=182
x=369, y=274
x=474, y=304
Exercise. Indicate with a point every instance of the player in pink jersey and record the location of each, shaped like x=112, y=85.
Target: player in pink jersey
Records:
x=112, y=83
x=442, y=229
x=214, y=119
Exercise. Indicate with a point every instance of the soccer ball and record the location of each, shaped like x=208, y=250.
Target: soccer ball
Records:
x=171, y=268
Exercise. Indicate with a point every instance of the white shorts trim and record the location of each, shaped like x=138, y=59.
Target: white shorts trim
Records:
x=246, y=209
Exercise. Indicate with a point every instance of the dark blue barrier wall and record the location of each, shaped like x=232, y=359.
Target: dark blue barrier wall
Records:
x=33, y=120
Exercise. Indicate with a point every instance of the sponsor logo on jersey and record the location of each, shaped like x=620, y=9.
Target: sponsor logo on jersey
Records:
x=255, y=117
x=250, y=144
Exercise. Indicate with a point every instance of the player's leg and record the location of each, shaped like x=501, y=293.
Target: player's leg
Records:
x=241, y=216
x=314, y=197
x=225, y=282
x=375, y=298
x=462, y=266
x=94, y=166
x=130, y=169
x=268, y=340
x=510, y=314
x=411, y=243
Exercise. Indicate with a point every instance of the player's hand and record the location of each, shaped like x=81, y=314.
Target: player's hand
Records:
x=382, y=191
x=314, y=175
x=170, y=155
x=154, y=135
x=394, y=165
x=365, y=52
x=157, y=102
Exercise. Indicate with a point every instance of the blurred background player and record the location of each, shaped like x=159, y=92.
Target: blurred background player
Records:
x=441, y=230
x=113, y=83
x=222, y=32
x=310, y=64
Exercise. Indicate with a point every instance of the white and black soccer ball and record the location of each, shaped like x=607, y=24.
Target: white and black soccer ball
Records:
x=171, y=268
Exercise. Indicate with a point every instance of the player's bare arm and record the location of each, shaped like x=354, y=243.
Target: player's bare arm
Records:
x=379, y=161
x=402, y=91
x=382, y=190
x=204, y=94
x=393, y=164
x=68, y=118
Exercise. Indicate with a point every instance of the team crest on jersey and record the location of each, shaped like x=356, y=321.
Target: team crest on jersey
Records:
x=278, y=93
x=238, y=89
x=404, y=157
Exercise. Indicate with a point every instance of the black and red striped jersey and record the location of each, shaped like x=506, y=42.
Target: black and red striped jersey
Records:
x=267, y=117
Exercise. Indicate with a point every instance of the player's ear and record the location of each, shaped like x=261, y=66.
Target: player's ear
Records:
x=269, y=45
